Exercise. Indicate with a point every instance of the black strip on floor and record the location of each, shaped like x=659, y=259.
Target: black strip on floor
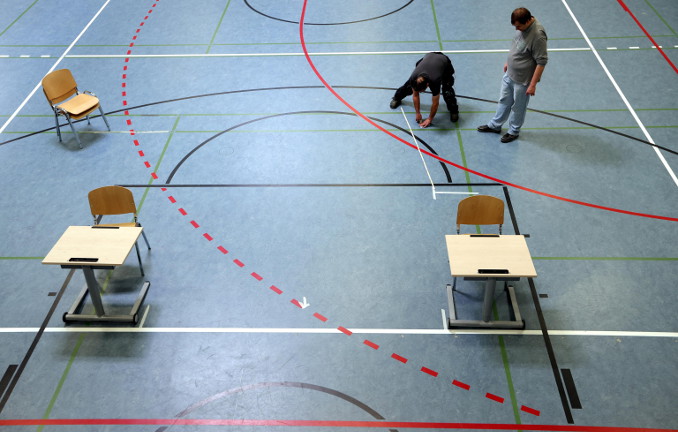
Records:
x=542, y=324
x=575, y=403
x=36, y=339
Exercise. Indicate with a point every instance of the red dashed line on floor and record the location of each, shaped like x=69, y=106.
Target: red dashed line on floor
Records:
x=399, y=358
x=345, y=331
x=429, y=371
x=494, y=397
x=371, y=344
x=530, y=410
x=461, y=385
x=255, y=275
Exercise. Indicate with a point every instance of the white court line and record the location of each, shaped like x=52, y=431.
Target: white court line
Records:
x=9, y=120
x=621, y=94
x=301, y=54
x=292, y=330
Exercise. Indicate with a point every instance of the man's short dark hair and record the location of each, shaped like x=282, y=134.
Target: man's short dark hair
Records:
x=521, y=15
x=420, y=83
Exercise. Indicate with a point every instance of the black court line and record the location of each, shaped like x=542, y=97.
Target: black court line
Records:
x=542, y=324
x=344, y=87
x=300, y=385
x=196, y=148
x=36, y=339
x=328, y=24
x=4, y=382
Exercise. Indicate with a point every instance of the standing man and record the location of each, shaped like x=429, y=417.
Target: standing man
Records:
x=433, y=71
x=522, y=72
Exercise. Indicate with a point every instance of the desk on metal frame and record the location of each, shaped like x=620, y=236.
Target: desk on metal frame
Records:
x=489, y=258
x=91, y=248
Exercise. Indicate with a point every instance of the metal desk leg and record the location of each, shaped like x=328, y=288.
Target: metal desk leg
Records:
x=488, y=299
x=94, y=290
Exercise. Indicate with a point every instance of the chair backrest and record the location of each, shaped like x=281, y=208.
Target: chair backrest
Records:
x=58, y=86
x=480, y=210
x=111, y=200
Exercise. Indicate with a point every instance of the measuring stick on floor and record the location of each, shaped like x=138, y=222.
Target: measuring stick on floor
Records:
x=414, y=139
x=421, y=155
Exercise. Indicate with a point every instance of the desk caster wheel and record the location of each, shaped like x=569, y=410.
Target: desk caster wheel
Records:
x=135, y=319
x=63, y=317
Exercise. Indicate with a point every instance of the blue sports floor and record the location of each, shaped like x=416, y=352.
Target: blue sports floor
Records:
x=298, y=266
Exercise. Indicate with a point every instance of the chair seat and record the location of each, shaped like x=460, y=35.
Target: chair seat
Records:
x=80, y=106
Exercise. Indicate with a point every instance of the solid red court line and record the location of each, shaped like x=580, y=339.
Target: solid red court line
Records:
x=445, y=161
x=323, y=423
x=656, y=45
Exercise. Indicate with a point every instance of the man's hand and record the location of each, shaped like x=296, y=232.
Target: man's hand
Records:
x=425, y=123
x=531, y=90
x=417, y=117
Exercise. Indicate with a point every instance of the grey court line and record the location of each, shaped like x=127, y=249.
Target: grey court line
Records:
x=295, y=330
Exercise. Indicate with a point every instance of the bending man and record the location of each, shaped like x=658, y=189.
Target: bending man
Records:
x=434, y=71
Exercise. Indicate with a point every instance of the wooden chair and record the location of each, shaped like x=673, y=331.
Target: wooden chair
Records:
x=63, y=96
x=115, y=200
x=480, y=210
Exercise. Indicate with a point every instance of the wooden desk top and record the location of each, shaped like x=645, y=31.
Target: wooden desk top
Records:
x=469, y=253
x=108, y=245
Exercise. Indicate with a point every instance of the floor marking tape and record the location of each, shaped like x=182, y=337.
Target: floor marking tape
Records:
x=301, y=330
x=621, y=94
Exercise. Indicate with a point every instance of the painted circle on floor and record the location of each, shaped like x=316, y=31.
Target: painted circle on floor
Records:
x=352, y=11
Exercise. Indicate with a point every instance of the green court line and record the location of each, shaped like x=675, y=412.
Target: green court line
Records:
x=507, y=370
x=435, y=20
x=17, y=18
x=159, y=162
x=22, y=258
x=661, y=17
x=60, y=385
x=214, y=35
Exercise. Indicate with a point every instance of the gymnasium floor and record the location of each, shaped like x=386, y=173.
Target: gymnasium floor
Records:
x=298, y=266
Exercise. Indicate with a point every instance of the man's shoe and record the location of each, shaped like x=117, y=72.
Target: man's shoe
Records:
x=486, y=128
x=507, y=138
x=454, y=117
x=394, y=103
